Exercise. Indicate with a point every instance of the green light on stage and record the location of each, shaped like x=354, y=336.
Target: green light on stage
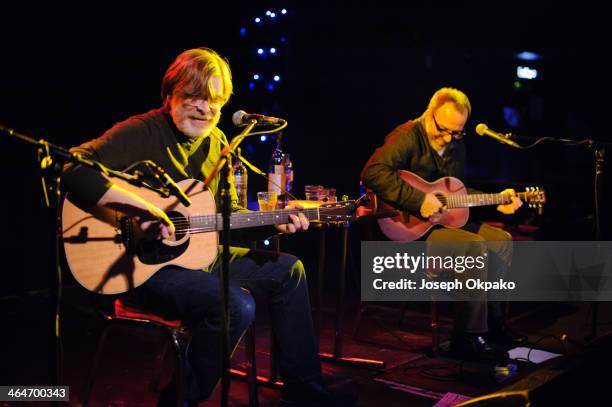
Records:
x=518, y=84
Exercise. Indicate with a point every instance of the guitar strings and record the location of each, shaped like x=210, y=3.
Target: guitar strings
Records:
x=184, y=225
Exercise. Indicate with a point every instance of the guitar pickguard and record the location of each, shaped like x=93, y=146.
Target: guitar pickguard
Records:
x=156, y=251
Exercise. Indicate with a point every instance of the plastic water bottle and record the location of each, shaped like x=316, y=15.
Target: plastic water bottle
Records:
x=240, y=180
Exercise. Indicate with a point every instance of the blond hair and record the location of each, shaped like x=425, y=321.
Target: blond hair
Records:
x=192, y=70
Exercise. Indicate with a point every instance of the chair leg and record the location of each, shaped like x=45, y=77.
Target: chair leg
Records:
x=252, y=374
x=273, y=359
x=180, y=363
x=435, y=329
x=94, y=367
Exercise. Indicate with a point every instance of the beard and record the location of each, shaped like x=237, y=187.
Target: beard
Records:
x=197, y=128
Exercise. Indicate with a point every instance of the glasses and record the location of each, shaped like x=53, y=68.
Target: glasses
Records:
x=191, y=100
x=456, y=134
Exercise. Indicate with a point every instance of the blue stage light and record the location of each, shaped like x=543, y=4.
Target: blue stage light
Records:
x=528, y=56
x=252, y=85
x=260, y=51
x=284, y=11
x=242, y=31
x=276, y=78
x=272, y=50
x=263, y=137
x=256, y=76
x=257, y=20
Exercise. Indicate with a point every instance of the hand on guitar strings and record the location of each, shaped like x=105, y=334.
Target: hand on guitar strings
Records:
x=430, y=205
x=510, y=208
x=298, y=222
x=155, y=224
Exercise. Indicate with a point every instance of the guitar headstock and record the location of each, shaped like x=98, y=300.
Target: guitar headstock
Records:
x=337, y=211
x=535, y=197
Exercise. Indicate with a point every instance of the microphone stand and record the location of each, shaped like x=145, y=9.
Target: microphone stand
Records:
x=51, y=159
x=222, y=165
x=599, y=153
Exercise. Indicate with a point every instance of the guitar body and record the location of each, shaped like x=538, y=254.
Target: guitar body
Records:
x=408, y=227
x=106, y=257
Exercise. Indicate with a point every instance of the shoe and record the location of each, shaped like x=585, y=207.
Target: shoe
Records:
x=501, y=334
x=475, y=347
x=314, y=394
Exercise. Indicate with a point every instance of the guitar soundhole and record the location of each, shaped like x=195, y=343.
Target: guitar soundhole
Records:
x=181, y=224
x=156, y=251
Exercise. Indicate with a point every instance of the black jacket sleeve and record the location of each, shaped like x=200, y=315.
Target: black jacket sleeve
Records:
x=380, y=172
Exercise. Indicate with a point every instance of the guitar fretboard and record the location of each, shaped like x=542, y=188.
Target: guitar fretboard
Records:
x=470, y=200
x=214, y=222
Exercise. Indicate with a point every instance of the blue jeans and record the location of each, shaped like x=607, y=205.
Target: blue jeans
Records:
x=194, y=297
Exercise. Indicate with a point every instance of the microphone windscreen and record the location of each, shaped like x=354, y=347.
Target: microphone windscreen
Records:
x=237, y=117
x=481, y=128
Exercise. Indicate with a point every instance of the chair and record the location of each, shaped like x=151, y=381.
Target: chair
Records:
x=370, y=231
x=177, y=334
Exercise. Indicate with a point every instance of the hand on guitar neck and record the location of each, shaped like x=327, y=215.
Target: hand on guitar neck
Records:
x=432, y=205
x=298, y=222
x=510, y=208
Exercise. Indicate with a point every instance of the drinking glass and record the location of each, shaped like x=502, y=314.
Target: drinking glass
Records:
x=267, y=200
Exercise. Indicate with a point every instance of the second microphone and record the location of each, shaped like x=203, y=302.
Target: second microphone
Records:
x=242, y=118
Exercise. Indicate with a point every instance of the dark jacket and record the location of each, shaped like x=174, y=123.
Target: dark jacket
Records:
x=407, y=148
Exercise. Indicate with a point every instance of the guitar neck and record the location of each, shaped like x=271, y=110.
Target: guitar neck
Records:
x=241, y=220
x=470, y=200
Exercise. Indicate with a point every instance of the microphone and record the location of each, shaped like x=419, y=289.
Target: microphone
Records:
x=483, y=130
x=242, y=118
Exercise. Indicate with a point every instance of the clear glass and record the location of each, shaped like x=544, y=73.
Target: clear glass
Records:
x=267, y=200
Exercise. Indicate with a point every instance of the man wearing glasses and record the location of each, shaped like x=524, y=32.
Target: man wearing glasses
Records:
x=431, y=146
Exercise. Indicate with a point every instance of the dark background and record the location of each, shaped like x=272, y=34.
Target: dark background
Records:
x=349, y=73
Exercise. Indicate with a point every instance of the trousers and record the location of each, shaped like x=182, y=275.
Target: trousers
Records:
x=194, y=296
x=473, y=316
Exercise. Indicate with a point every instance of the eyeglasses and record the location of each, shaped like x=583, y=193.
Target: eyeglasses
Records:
x=456, y=134
x=190, y=99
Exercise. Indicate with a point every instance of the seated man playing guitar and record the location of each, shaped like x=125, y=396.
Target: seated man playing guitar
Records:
x=431, y=147
x=183, y=138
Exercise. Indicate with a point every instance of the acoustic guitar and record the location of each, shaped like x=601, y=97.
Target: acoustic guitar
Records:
x=106, y=255
x=452, y=193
